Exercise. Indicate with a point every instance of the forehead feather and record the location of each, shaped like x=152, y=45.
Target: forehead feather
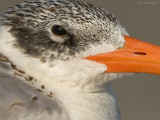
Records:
x=92, y=29
x=36, y=11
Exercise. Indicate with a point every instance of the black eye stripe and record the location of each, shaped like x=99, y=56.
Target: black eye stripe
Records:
x=58, y=30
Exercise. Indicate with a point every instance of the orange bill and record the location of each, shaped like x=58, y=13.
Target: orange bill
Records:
x=137, y=56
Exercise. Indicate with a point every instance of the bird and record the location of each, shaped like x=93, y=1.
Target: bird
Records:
x=59, y=57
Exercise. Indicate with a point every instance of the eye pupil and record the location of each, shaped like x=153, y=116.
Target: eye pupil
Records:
x=58, y=30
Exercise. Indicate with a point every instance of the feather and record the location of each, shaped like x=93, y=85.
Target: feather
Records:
x=19, y=101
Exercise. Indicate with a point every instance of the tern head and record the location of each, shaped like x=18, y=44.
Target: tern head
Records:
x=65, y=42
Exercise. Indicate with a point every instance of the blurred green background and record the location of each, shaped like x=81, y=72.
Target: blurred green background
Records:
x=139, y=95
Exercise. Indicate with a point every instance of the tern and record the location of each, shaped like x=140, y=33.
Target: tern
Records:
x=59, y=57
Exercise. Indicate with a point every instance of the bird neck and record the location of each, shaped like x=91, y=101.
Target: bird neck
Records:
x=80, y=105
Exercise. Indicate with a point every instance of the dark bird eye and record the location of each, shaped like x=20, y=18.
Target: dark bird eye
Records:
x=58, y=30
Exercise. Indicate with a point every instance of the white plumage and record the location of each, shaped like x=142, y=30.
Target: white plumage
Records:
x=43, y=73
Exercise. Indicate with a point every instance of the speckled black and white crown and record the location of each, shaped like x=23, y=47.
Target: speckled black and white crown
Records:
x=86, y=25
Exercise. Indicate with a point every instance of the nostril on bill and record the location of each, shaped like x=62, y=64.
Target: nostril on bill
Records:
x=140, y=53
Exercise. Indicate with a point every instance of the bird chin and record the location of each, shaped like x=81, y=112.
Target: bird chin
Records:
x=101, y=81
x=116, y=76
